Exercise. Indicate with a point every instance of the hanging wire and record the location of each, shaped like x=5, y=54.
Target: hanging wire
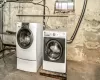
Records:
x=45, y=22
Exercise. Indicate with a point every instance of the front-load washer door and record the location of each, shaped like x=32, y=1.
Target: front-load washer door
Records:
x=24, y=38
x=54, y=50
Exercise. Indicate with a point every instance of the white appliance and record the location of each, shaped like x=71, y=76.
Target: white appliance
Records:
x=29, y=46
x=54, y=51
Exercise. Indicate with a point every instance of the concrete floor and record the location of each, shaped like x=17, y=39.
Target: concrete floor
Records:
x=75, y=70
x=83, y=71
x=9, y=71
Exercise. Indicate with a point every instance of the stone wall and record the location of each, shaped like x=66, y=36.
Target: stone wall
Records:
x=86, y=44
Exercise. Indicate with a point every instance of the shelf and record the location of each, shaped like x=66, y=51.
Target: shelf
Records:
x=42, y=15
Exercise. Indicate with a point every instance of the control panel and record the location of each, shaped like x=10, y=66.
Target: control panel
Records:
x=54, y=34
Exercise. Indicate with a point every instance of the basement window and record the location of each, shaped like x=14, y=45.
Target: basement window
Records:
x=64, y=6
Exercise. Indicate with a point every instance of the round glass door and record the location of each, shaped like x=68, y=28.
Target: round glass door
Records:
x=24, y=38
x=54, y=50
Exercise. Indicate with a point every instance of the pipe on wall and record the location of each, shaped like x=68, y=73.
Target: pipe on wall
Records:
x=44, y=3
x=79, y=23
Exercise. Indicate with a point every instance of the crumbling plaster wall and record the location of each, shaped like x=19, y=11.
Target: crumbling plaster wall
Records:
x=87, y=42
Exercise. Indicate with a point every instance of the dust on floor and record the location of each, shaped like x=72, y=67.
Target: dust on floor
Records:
x=75, y=71
x=9, y=71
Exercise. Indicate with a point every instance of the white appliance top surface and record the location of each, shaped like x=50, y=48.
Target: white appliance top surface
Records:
x=30, y=22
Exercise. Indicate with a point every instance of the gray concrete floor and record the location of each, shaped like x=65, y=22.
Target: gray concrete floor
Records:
x=9, y=71
x=75, y=71
x=83, y=71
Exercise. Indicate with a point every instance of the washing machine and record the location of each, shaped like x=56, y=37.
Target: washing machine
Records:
x=54, y=58
x=29, y=46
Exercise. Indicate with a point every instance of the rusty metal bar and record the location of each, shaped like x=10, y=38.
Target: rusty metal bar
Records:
x=42, y=15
